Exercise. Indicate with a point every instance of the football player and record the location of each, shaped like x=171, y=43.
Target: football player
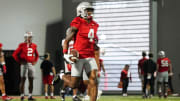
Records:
x=27, y=55
x=3, y=71
x=83, y=29
x=163, y=66
x=68, y=68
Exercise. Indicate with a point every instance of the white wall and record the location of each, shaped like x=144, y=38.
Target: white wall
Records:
x=18, y=16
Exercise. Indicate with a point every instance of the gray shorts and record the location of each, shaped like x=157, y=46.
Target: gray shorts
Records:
x=89, y=64
x=163, y=77
x=85, y=76
x=1, y=71
x=27, y=70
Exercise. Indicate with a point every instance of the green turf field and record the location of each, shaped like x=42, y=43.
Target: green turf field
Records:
x=109, y=98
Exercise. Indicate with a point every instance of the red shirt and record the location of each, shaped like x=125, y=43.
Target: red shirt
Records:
x=163, y=64
x=84, y=38
x=140, y=64
x=124, y=75
x=26, y=53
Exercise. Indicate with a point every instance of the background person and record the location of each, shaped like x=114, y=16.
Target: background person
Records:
x=27, y=55
x=48, y=72
x=3, y=71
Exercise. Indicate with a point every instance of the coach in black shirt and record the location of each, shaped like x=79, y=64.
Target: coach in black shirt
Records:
x=149, y=67
x=48, y=72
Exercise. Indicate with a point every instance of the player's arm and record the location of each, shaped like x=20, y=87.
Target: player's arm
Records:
x=54, y=71
x=16, y=53
x=139, y=69
x=102, y=66
x=69, y=36
x=36, y=56
x=170, y=69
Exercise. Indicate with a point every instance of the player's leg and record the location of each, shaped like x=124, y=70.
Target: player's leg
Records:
x=151, y=86
x=92, y=67
x=46, y=91
x=24, y=70
x=31, y=72
x=160, y=82
x=52, y=91
x=85, y=84
x=2, y=88
x=145, y=86
x=93, y=85
x=50, y=78
x=165, y=75
x=75, y=97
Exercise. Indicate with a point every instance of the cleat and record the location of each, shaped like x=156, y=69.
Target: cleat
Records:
x=76, y=99
x=31, y=99
x=22, y=98
x=6, y=98
x=52, y=97
x=46, y=97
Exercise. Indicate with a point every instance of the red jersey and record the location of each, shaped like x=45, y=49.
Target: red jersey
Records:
x=163, y=64
x=26, y=53
x=125, y=75
x=140, y=64
x=84, y=39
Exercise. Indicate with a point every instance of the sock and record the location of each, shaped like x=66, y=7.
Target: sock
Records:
x=22, y=94
x=46, y=94
x=52, y=94
x=4, y=94
x=74, y=96
x=30, y=95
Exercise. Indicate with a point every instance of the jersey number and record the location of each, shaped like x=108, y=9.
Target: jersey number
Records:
x=30, y=52
x=91, y=35
x=164, y=63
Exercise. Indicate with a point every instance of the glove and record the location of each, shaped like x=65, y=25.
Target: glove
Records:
x=4, y=69
x=67, y=58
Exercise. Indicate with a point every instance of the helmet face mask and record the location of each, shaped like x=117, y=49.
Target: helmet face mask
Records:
x=28, y=37
x=84, y=9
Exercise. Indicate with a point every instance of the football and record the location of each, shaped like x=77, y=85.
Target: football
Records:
x=75, y=55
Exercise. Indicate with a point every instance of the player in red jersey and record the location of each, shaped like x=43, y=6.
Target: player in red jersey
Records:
x=3, y=71
x=27, y=55
x=163, y=66
x=83, y=29
x=140, y=67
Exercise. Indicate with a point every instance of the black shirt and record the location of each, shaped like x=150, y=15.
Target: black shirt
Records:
x=46, y=66
x=149, y=66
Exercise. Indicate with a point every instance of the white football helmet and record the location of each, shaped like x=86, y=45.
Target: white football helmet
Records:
x=28, y=37
x=28, y=34
x=161, y=54
x=82, y=7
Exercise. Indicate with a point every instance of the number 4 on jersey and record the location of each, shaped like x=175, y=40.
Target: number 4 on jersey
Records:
x=91, y=35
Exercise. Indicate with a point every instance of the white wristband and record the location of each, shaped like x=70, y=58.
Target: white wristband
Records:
x=3, y=63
